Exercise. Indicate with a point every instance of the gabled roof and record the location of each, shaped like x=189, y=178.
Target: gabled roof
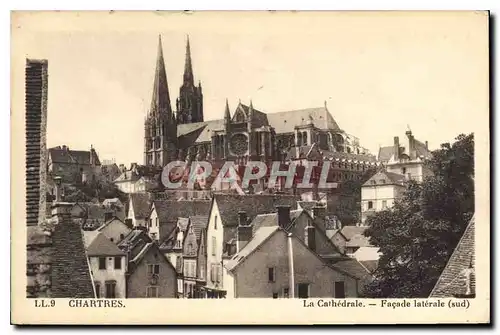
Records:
x=172, y=210
x=285, y=122
x=141, y=204
x=102, y=246
x=371, y=265
x=137, y=259
x=65, y=155
x=113, y=219
x=260, y=236
x=353, y=267
x=385, y=153
x=350, y=231
x=385, y=178
x=458, y=276
x=271, y=219
x=253, y=204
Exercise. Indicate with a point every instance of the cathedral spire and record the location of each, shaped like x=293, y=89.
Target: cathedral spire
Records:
x=227, y=115
x=188, y=67
x=160, y=101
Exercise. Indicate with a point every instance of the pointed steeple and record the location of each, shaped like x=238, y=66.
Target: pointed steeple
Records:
x=227, y=115
x=160, y=101
x=188, y=67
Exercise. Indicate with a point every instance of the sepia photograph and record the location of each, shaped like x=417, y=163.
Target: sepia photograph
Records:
x=218, y=159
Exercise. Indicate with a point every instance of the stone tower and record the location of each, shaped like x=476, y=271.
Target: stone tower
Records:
x=160, y=126
x=190, y=101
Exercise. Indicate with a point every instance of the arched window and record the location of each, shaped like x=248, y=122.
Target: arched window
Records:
x=304, y=138
x=299, y=139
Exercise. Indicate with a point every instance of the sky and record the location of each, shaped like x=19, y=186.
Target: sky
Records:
x=378, y=72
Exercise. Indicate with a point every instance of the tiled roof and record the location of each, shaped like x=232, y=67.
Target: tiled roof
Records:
x=350, y=231
x=422, y=150
x=169, y=212
x=102, y=246
x=172, y=210
x=67, y=156
x=141, y=204
x=385, y=153
x=385, y=178
x=458, y=277
x=198, y=222
x=134, y=242
x=271, y=219
x=353, y=267
x=285, y=122
x=260, y=236
x=57, y=266
x=253, y=204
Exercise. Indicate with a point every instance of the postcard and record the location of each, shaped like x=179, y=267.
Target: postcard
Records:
x=250, y=167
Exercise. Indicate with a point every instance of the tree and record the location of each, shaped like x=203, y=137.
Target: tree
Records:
x=348, y=208
x=419, y=234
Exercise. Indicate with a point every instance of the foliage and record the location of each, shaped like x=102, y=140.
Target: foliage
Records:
x=95, y=189
x=350, y=199
x=417, y=237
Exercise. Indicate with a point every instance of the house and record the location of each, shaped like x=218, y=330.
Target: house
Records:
x=94, y=214
x=150, y=274
x=380, y=192
x=116, y=207
x=108, y=265
x=407, y=160
x=139, y=179
x=354, y=238
x=194, y=257
x=276, y=264
x=301, y=224
x=458, y=279
x=73, y=166
x=222, y=229
x=138, y=209
x=115, y=230
x=110, y=171
x=164, y=216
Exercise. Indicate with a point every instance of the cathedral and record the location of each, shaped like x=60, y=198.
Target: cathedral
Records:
x=247, y=133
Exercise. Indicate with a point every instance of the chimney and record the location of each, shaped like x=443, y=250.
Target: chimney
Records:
x=310, y=234
x=92, y=151
x=411, y=145
x=427, y=145
x=244, y=233
x=283, y=216
x=58, y=188
x=396, y=147
x=319, y=212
